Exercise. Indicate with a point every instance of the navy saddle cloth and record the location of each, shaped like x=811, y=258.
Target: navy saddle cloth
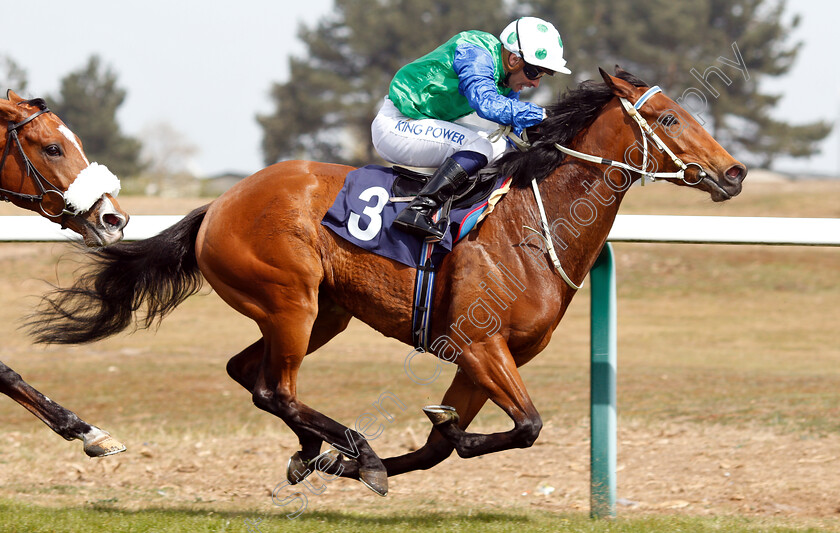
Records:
x=363, y=213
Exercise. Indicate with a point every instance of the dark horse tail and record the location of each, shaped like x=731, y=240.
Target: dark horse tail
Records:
x=158, y=273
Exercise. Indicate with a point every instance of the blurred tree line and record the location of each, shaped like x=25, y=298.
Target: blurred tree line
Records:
x=713, y=53
x=87, y=101
x=713, y=50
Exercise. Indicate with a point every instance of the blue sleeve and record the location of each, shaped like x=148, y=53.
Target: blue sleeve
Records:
x=477, y=83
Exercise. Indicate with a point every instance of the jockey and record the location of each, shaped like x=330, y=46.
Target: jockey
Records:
x=428, y=118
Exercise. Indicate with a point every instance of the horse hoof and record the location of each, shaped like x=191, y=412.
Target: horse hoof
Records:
x=296, y=469
x=375, y=480
x=441, y=414
x=328, y=462
x=103, y=445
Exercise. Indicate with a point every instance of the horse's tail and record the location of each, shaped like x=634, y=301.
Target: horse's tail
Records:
x=158, y=273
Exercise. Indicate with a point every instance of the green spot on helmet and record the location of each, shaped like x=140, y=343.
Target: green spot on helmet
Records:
x=537, y=42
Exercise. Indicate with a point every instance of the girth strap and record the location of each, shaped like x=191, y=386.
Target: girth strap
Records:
x=424, y=284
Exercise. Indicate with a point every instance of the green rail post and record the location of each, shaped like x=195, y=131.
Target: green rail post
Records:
x=603, y=386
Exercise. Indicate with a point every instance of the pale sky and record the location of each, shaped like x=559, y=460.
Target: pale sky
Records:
x=206, y=68
x=812, y=88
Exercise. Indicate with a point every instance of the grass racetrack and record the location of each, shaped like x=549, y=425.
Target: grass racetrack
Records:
x=728, y=392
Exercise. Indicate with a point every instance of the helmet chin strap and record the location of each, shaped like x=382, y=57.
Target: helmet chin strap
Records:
x=509, y=68
x=506, y=79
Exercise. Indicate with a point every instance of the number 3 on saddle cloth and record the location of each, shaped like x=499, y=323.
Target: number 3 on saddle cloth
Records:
x=370, y=200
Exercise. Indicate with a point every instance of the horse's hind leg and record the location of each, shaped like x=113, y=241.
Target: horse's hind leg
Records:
x=276, y=392
x=244, y=368
x=66, y=423
x=272, y=381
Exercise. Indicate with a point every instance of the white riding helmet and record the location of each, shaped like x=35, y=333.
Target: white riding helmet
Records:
x=537, y=42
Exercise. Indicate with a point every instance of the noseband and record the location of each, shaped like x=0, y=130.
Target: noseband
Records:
x=44, y=187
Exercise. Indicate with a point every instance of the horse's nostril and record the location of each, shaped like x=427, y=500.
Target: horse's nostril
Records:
x=112, y=220
x=735, y=173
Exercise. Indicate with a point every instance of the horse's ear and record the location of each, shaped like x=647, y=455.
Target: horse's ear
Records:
x=9, y=110
x=13, y=97
x=619, y=71
x=618, y=86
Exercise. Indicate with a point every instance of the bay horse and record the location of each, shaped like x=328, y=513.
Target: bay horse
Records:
x=44, y=169
x=263, y=249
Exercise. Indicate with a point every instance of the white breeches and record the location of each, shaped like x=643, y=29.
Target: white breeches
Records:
x=428, y=142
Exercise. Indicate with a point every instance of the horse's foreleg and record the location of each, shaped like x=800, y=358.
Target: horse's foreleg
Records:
x=467, y=400
x=492, y=369
x=97, y=442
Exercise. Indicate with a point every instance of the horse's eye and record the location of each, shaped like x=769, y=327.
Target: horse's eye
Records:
x=53, y=150
x=669, y=120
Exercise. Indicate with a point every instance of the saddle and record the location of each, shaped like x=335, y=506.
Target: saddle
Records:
x=408, y=183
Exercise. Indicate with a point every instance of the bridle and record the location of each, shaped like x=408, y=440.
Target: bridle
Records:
x=647, y=131
x=41, y=183
x=633, y=111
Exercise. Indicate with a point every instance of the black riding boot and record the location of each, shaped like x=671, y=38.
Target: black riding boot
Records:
x=417, y=217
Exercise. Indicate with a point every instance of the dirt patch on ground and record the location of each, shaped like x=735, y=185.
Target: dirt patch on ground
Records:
x=678, y=468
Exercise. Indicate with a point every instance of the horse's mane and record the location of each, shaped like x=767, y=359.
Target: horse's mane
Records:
x=574, y=111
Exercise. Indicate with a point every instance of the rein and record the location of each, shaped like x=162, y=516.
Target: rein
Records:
x=42, y=184
x=633, y=111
